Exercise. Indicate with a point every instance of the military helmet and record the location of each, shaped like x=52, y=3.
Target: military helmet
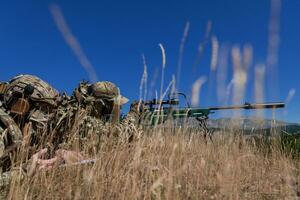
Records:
x=34, y=87
x=107, y=90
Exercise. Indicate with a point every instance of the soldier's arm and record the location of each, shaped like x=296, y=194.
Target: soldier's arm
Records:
x=3, y=89
x=2, y=145
x=10, y=139
x=135, y=113
x=129, y=128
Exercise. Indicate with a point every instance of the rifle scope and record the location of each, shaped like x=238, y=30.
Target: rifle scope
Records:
x=173, y=102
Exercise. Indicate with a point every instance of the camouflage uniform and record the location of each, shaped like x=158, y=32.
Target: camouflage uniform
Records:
x=31, y=101
x=10, y=134
x=50, y=120
x=26, y=103
x=93, y=112
x=4, y=183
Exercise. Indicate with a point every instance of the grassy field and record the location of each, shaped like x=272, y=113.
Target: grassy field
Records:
x=172, y=165
x=180, y=164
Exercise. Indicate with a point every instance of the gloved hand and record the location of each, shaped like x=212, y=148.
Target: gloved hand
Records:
x=38, y=161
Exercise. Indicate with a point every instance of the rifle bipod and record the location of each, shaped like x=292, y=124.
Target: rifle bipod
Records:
x=204, y=126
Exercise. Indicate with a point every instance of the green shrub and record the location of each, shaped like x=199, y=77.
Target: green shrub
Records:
x=290, y=144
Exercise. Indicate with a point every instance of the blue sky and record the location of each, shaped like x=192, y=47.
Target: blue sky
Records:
x=114, y=35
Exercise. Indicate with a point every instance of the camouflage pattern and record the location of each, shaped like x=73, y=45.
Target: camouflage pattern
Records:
x=10, y=137
x=80, y=117
x=42, y=91
x=10, y=128
x=103, y=90
x=10, y=134
x=63, y=121
x=91, y=109
x=86, y=116
x=107, y=90
x=15, y=174
x=3, y=89
x=42, y=100
x=5, y=178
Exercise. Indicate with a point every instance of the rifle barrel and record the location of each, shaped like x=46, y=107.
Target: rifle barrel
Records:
x=83, y=162
x=251, y=106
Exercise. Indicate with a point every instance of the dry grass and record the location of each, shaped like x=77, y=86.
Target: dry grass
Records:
x=166, y=165
x=179, y=164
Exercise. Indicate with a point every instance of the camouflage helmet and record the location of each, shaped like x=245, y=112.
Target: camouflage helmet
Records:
x=39, y=90
x=107, y=90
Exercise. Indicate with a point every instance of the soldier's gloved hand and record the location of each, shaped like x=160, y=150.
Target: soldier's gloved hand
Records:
x=68, y=157
x=62, y=156
x=36, y=162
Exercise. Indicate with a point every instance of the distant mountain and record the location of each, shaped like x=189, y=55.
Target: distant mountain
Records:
x=293, y=129
x=254, y=124
x=247, y=125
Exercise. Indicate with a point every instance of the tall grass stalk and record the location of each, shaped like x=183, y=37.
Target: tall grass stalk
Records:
x=73, y=43
x=181, y=51
x=259, y=87
x=163, y=66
